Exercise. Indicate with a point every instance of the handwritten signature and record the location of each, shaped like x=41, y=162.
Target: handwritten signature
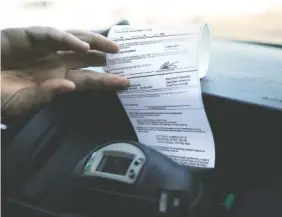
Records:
x=168, y=65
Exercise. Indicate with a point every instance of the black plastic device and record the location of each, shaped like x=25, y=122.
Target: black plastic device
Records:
x=126, y=173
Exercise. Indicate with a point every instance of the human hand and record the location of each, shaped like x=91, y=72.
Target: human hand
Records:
x=39, y=63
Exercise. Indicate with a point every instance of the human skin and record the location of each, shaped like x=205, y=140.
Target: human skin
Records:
x=38, y=63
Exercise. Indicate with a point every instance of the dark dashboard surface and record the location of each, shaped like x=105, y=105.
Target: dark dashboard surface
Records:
x=245, y=72
x=238, y=71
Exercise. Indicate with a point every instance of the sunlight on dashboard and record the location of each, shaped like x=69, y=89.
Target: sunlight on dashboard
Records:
x=253, y=20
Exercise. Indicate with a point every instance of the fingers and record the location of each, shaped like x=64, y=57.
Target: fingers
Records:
x=57, y=85
x=75, y=40
x=86, y=79
x=24, y=98
x=56, y=39
x=30, y=98
x=24, y=45
x=78, y=60
x=96, y=41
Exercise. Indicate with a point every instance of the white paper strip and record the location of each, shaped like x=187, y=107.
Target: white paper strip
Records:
x=164, y=100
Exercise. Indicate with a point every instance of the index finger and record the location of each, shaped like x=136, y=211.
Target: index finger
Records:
x=56, y=39
x=96, y=41
x=86, y=79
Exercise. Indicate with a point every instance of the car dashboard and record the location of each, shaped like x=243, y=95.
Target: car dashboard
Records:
x=242, y=94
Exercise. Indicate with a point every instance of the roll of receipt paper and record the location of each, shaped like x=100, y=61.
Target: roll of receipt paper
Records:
x=164, y=99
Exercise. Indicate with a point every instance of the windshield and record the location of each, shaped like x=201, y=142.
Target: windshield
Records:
x=248, y=20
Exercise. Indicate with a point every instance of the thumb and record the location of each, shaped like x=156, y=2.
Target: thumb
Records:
x=56, y=86
x=31, y=98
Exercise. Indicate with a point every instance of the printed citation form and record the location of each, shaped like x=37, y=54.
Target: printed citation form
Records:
x=164, y=100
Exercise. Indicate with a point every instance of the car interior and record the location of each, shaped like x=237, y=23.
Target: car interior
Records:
x=242, y=95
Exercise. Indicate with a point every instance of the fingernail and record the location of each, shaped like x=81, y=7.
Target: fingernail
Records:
x=113, y=80
x=87, y=46
x=124, y=82
x=65, y=89
x=116, y=46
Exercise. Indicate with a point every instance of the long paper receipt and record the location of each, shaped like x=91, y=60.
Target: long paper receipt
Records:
x=164, y=100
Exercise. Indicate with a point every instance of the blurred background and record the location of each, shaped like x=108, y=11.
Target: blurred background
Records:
x=248, y=20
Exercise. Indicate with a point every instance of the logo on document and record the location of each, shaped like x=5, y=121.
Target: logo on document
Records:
x=168, y=65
